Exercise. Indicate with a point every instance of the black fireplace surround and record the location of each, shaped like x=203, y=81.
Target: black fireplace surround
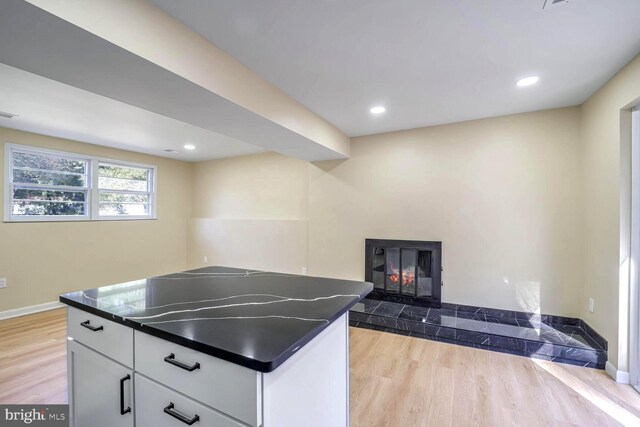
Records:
x=404, y=270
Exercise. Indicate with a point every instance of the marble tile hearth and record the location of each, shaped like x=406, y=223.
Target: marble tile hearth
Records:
x=560, y=339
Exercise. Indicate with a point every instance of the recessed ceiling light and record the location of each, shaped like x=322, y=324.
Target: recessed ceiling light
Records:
x=189, y=147
x=527, y=81
x=7, y=115
x=378, y=110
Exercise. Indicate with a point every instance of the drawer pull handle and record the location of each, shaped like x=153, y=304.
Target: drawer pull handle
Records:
x=177, y=415
x=123, y=410
x=172, y=359
x=87, y=325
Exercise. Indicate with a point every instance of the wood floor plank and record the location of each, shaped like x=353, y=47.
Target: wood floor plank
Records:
x=446, y=385
x=395, y=381
x=33, y=358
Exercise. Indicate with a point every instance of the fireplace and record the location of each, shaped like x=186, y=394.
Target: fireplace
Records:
x=404, y=270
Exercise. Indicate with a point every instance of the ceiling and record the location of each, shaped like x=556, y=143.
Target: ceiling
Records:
x=56, y=109
x=428, y=62
x=62, y=80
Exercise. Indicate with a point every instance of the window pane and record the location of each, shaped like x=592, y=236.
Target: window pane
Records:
x=115, y=209
x=121, y=184
x=123, y=172
x=106, y=197
x=47, y=208
x=40, y=161
x=57, y=196
x=47, y=178
x=52, y=184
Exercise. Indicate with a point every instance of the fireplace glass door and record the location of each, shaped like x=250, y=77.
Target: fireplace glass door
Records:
x=406, y=272
x=424, y=274
x=402, y=271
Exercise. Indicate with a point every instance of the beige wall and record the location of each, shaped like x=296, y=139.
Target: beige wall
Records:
x=606, y=184
x=501, y=194
x=251, y=212
x=533, y=209
x=43, y=260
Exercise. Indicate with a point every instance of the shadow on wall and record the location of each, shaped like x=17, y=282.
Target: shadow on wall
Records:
x=329, y=165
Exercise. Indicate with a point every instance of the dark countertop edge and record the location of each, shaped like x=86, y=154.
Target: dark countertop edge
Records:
x=247, y=362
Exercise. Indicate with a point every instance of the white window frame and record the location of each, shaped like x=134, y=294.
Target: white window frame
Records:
x=92, y=187
x=634, y=279
x=95, y=201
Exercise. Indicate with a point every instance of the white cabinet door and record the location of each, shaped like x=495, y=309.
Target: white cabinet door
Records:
x=159, y=406
x=100, y=390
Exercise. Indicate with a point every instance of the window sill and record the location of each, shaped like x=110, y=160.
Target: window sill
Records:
x=30, y=220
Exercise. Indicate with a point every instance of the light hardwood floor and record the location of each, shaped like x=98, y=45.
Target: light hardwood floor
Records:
x=395, y=381
x=33, y=358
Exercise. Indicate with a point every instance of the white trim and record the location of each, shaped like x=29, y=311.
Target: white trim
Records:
x=621, y=377
x=348, y=367
x=23, y=311
x=91, y=190
x=6, y=200
x=634, y=280
x=151, y=190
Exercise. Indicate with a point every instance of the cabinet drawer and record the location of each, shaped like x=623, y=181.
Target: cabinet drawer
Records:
x=225, y=386
x=104, y=336
x=153, y=401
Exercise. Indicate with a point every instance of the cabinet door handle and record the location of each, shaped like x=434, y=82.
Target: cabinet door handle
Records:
x=87, y=325
x=177, y=415
x=172, y=360
x=123, y=410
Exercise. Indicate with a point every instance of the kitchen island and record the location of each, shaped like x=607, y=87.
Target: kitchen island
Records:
x=212, y=347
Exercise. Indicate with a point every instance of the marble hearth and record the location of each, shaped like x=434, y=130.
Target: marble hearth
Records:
x=555, y=338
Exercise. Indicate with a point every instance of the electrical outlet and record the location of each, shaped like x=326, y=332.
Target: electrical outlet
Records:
x=591, y=305
x=3, y=282
x=304, y=271
x=206, y=259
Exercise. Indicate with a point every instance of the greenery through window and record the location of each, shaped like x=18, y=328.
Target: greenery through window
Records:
x=46, y=185
x=49, y=185
x=124, y=190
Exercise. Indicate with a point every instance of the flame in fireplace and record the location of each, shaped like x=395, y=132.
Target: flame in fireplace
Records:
x=408, y=278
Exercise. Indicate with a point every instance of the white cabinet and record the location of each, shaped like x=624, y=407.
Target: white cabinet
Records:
x=168, y=385
x=100, y=390
x=104, y=336
x=225, y=386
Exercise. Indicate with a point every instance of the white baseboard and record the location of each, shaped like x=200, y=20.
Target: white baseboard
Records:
x=618, y=376
x=16, y=312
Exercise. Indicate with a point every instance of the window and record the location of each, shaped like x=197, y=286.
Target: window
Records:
x=124, y=190
x=45, y=185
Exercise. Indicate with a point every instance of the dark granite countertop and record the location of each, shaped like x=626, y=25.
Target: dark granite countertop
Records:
x=252, y=318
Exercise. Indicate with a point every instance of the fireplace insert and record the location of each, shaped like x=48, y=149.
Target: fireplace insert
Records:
x=404, y=270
